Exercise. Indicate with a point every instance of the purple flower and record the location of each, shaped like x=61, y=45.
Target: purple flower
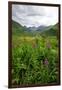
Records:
x=46, y=61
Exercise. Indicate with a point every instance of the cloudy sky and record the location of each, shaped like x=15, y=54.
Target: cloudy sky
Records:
x=28, y=15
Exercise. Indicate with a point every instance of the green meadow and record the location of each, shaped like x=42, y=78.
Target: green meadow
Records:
x=34, y=56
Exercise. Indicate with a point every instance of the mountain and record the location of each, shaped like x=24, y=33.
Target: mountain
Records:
x=32, y=28
x=52, y=30
x=39, y=28
x=18, y=29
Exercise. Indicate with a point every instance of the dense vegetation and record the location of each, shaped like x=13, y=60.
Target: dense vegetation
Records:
x=34, y=57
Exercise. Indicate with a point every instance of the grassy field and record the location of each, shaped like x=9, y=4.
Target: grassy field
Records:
x=34, y=60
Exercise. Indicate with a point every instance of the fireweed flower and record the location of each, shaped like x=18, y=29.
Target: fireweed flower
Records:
x=46, y=61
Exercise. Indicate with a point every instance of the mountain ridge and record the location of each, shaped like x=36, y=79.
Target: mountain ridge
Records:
x=47, y=30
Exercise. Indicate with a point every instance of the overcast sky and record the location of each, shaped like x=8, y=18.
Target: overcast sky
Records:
x=28, y=15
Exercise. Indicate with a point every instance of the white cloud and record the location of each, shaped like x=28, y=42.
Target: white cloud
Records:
x=29, y=15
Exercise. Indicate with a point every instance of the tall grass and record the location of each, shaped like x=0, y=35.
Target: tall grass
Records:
x=34, y=60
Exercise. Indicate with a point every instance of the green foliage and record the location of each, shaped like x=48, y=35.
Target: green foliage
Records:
x=34, y=58
x=28, y=65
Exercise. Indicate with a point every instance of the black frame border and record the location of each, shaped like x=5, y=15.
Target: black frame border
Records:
x=10, y=42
